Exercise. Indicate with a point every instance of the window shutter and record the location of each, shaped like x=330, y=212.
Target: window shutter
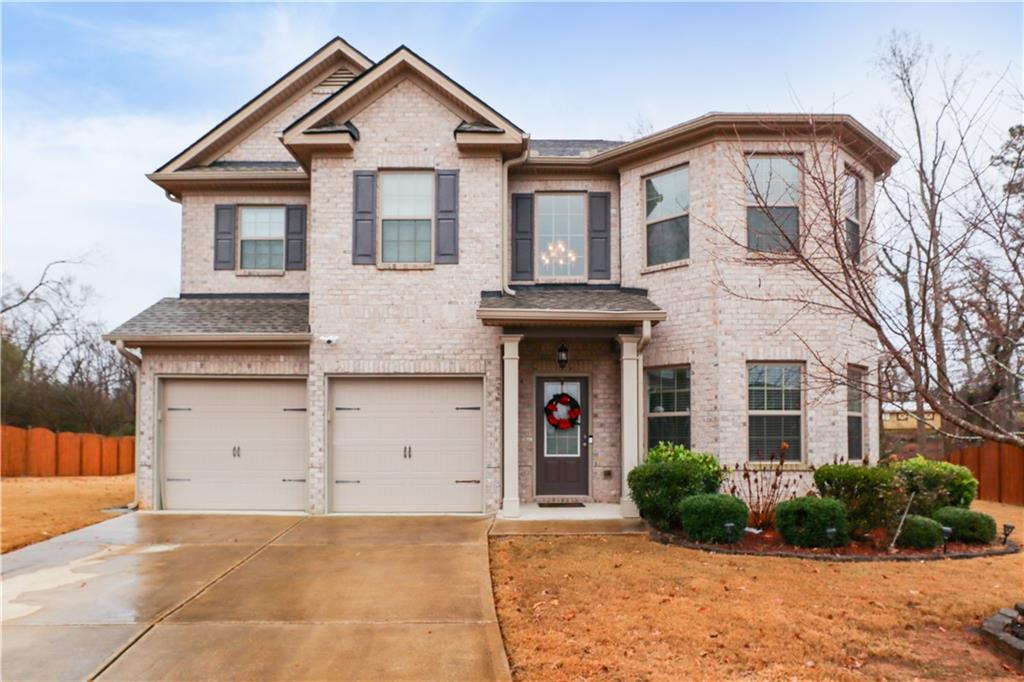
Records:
x=446, y=238
x=364, y=218
x=522, y=237
x=599, y=257
x=224, y=236
x=295, y=238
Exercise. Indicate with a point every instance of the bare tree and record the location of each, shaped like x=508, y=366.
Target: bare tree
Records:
x=933, y=268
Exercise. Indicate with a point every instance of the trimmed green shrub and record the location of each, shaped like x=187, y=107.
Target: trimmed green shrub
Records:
x=967, y=525
x=659, y=487
x=935, y=484
x=920, y=532
x=869, y=494
x=703, y=518
x=669, y=452
x=805, y=521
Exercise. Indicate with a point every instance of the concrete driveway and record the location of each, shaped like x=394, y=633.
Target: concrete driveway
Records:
x=197, y=597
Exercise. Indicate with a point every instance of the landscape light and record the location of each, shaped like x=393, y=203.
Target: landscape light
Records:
x=1007, y=529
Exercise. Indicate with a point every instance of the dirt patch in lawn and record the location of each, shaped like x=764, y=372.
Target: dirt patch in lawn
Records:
x=36, y=509
x=625, y=607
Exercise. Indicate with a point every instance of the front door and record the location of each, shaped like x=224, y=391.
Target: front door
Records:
x=563, y=455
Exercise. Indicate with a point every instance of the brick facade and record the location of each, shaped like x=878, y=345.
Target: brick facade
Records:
x=422, y=321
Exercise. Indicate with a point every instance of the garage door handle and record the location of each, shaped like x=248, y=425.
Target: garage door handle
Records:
x=293, y=480
x=179, y=480
x=468, y=408
x=346, y=409
x=468, y=480
x=346, y=481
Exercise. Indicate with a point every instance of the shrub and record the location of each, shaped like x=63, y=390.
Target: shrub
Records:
x=805, y=521
x=967, y=525
x=920, y=532
x=703, y=518
x=762, y=485
x=936, y=484
x=658, y=487
x=669, y=452
x=869, y=494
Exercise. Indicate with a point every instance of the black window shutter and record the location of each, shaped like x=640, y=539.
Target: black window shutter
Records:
x=599, y=231
x=522, y=237
x=364, y=218
x=224, y=236
x=295, y=238
x=446, y=238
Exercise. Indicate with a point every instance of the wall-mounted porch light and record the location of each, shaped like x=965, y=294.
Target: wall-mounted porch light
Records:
x=562, y=356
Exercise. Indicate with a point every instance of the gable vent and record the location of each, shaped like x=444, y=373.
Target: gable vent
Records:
x=337, y=80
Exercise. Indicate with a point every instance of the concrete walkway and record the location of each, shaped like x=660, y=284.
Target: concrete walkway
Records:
x=199, y=597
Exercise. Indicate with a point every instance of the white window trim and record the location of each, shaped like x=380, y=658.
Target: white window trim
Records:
x=258, y=272
x=403, y=265
x=798, y=204
x=862, y=371
x=779, y=413
x=561, y=279
x=858, y=218
x=647, y=223
x=648, y=415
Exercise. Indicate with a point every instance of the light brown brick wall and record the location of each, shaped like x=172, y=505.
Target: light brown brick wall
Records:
x=263, y=143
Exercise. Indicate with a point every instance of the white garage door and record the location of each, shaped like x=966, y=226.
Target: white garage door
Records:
x=234, y=444
x=406, y=445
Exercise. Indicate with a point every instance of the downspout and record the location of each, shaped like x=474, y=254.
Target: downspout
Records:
x=137, y=362
x=505, y=288
x=645, y=336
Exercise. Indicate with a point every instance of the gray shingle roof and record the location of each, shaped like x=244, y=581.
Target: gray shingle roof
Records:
x=572, y=298
x=253, y=165
x=215, y=316
x=466, y=127
x=580, y=148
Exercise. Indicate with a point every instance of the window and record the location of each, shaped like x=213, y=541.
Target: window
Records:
x=773, y=203
x=855, y=414
x=853, y=208
x=668, y=219
x=775, y=408
x=262, y=237
x=561, y=235
x=668, y=406
x=406, y=209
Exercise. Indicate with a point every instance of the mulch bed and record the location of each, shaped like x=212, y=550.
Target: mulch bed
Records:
x=874, y=548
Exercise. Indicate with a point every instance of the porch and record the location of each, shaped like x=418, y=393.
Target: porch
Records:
x=572, y=398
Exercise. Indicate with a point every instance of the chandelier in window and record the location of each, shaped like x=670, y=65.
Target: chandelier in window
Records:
x=558, y=253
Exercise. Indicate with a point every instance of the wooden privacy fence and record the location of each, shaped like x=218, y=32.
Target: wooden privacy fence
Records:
x=999, y=469
x=41, y=452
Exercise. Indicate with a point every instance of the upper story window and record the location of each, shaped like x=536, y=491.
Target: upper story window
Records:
x=261, y=237
x=668, y=406
x=406, y=211
x=668, y=216
x=853, y=212
x=773, y=203
x=561, y=236
x=775, y=411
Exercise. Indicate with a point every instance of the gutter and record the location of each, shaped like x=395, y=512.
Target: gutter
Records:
x=505, y=288
x=136, y=361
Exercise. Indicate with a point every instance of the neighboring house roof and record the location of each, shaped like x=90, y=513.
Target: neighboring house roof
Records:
x=569, y=303
x=261, y=107
x=225, y=318
x=562, y=148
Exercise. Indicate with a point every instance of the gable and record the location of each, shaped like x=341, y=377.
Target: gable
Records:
x=249, y=129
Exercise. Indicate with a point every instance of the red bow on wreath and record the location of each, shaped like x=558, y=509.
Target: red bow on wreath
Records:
x=571, y=419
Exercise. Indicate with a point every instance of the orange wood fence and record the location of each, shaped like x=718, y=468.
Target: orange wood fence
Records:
x=999, y=469
x=41, y=452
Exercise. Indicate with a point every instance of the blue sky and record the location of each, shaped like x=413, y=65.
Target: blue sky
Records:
x=94, y=96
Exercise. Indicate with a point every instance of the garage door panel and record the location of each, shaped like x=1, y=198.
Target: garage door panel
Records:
x=235, y=444
x=440, y=419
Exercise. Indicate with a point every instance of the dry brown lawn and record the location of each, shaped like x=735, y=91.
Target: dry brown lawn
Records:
x=626, y=608
x=36, y=509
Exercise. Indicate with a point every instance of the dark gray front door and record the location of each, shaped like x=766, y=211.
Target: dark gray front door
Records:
x=563, y=456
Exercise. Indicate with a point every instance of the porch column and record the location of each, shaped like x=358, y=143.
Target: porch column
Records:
x=510, y=424
x=630, y=417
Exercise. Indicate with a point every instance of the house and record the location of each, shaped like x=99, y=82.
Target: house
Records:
x=394, y=300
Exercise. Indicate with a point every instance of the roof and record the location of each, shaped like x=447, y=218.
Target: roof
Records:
x=222, y=318
x=241, y=166
x=569, y=304
x=572, y=147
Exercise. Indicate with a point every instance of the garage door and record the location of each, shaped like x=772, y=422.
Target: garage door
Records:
x=234, y=444
x=406, y=445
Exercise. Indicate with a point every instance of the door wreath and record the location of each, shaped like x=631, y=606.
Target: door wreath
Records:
x=563, y=420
